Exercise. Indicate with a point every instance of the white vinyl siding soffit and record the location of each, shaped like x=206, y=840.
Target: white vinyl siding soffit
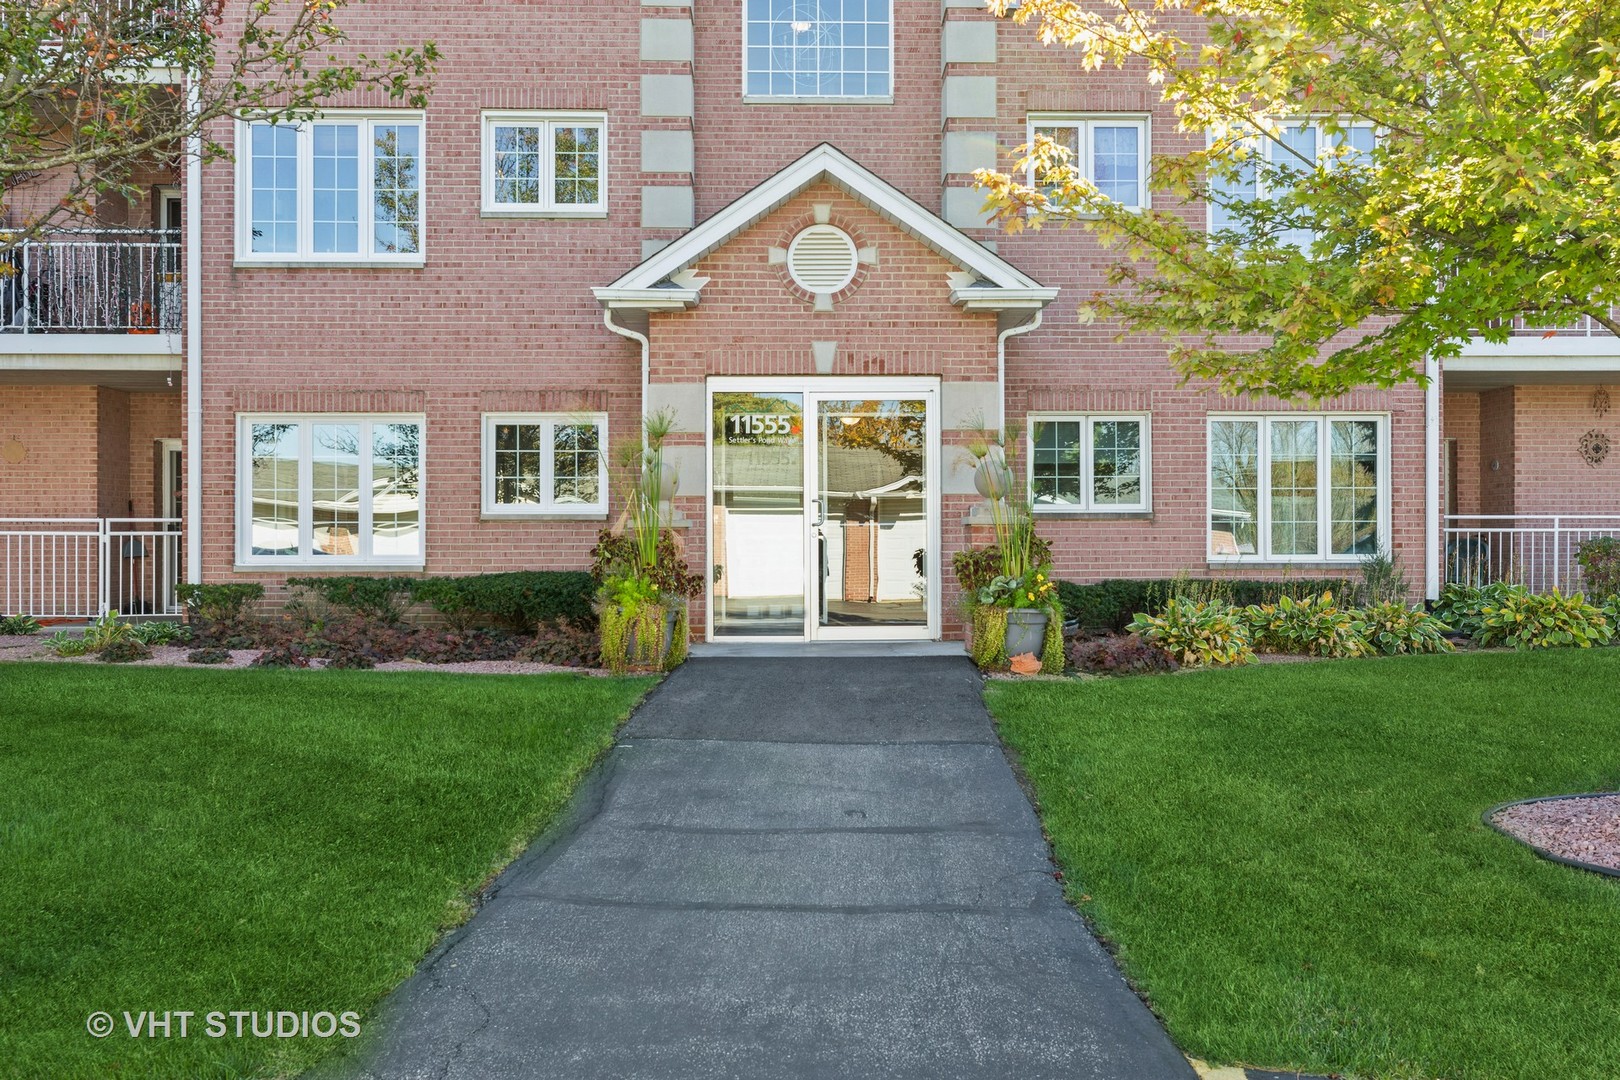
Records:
x=545, y=164
x=343, y=188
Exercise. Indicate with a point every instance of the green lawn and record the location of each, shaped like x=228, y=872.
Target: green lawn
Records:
x=255, y=840
x=1290, y=861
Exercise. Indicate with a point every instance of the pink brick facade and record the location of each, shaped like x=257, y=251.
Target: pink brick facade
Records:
x=499, y=316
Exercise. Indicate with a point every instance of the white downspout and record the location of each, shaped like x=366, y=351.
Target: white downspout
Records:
x=194, y=472
x=1431, y=479
x=646, y=348
x=1001, y=366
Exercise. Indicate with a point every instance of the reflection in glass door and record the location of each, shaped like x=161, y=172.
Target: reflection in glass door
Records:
x=871, y=521
x=757, y=531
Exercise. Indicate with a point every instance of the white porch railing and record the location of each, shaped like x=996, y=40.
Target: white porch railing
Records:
x=1537, y=550
x=81, y=568
x=92, y=281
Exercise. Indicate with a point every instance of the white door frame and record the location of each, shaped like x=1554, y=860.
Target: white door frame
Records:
x=815, y=389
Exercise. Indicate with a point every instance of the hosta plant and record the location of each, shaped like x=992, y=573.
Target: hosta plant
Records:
x=1462, y=607
x=1527, y=620
x=63, y=643
x=18, y=625
x=1312, y=626
x=1393, y=628
x=1197, y=633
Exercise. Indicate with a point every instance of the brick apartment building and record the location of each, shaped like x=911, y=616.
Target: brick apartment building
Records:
x=393, y=340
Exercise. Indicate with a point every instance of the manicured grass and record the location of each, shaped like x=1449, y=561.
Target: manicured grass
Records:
x=255, y=840
x=1291, y=864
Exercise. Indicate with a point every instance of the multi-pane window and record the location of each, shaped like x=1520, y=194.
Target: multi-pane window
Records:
x=1111, y=152
x=545, y=163
x=540, y=464
x=1298, y=148
x=1296, y=487
x=1088, y=463
x=817, y=49
x=339, y=188
x=324, y=490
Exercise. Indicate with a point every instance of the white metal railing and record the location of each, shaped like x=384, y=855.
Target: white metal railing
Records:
x=81, y=568
x=1583, y=327
x=92, y=281
x=1537, y=550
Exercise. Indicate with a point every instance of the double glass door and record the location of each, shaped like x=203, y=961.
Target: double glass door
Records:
x=823, y=520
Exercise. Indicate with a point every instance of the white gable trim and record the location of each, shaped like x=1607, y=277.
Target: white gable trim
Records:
x=992, y=273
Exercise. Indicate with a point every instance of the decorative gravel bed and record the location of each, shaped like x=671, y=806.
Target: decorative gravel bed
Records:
x=1581, y=828
x=34, y=648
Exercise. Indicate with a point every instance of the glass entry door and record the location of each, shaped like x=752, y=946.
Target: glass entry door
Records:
x=823, y=510
x=870, y=524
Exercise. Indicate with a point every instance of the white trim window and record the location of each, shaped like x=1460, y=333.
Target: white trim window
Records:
x=1098, y=463
x=1297, y=143
x=798, y=50
x=545, y=464
x=1298, y=487
x=329, y=490
x=344, y=187
x=545, y=164
x=1109, y=151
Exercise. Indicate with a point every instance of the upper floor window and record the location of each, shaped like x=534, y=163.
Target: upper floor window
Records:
x=545, y=163
x=1095, y=463
x=1111, y=152
x=1270, y=164
x=341, y=188
x=818, y=49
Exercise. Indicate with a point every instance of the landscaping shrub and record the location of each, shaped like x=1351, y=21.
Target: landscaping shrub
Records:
x=1313, y=626
x=1527, y=620
x=460, y=646
x=384, y=599
x=1110, y=604
x=124, y=650
x=1394, y=629
x=565, y=644
x=282, y=656
x=1383, y=581
x=976, y=568
x=1197, y=633
x=160, y=633
x=107, y=630
x=18, y=625
x=1600, y=564
x=209, y=656
x=352, y=661
x=521, y=600
x=1119, y=656
x=63, y=643
x=1462, y=607
x=220, y=603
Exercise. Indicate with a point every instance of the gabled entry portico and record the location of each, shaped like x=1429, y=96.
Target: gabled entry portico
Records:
x=825, y=345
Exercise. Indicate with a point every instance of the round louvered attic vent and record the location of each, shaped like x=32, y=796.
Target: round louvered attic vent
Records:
x=821, y=259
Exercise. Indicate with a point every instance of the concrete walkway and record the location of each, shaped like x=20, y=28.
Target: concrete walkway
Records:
x=787, y=868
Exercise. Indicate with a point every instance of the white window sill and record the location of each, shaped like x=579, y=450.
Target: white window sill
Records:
x=765, y=99
x=563, y=215
x=329, y=264
x=1137, y=513
x=1337, y=562
x=347, y=566
x=542, y=515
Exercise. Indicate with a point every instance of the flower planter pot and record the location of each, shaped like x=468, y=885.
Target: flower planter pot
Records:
x=1026, y=631
x=991, y=476
x=672, y=615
